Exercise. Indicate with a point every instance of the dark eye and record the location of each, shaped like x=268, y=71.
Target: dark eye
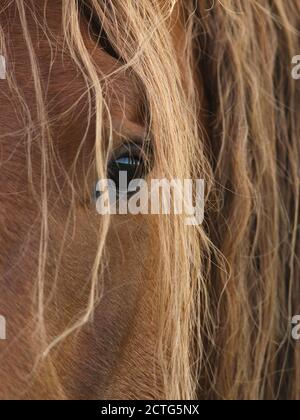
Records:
x=126, y=167
x=129, y=163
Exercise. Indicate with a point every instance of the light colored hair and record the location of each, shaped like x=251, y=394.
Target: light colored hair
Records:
x=224, y=108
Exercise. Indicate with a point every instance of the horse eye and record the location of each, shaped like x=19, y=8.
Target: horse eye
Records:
x=133, y=167
x=131, y=162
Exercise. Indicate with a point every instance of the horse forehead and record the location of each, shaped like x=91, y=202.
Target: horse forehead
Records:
x=63, y=67
x=52, y=13
x=176, y=23
x=57, y=70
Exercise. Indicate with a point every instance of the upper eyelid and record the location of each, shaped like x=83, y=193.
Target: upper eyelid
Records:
x=137, y=147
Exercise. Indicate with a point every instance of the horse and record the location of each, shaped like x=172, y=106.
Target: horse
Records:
x=144, y=306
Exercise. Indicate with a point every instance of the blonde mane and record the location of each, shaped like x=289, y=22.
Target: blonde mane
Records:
x=220, y=105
